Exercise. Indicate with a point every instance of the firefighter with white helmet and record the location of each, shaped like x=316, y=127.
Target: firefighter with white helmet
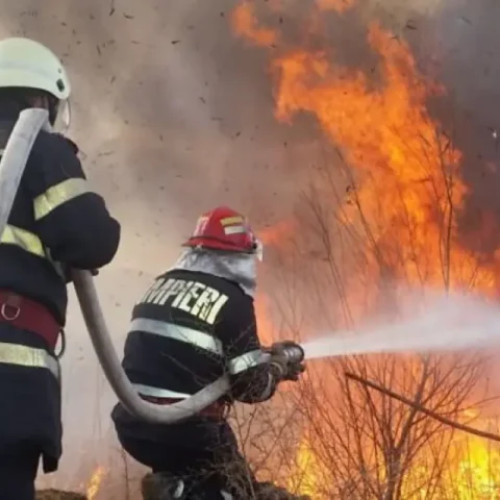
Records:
x=56, y=223
x=194, y=324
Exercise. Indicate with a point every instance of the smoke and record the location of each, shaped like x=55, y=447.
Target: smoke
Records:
x=468, y=45
x=174, y=115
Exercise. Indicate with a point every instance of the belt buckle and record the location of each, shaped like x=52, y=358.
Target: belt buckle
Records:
x=13, y=301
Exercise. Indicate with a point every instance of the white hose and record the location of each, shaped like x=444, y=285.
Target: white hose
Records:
x=12, y=165
x=15, y=157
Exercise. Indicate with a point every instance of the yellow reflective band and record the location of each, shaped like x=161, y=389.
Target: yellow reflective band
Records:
x=237, y=219
x=21, y=355
x=26, y=240
x=191, y=336
x=57, y=195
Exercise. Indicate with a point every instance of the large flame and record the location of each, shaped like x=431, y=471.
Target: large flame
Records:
x=405, y=176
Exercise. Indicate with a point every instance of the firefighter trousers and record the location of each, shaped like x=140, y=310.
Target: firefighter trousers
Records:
x=17, y=476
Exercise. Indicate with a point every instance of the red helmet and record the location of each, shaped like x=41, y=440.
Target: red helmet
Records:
x=224, y=229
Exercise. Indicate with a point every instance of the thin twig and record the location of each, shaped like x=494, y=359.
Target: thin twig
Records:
x=422, y=409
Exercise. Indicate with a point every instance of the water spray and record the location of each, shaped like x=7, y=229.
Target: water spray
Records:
x=445, y=322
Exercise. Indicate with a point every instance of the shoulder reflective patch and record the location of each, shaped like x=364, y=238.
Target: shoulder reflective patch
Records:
x=57, y=195
x=181, y=333
x=26, y=240
x=248, y=360
x=157, y=392
x=20, y=355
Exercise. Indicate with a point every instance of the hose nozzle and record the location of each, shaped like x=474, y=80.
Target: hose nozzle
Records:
x=293, y=352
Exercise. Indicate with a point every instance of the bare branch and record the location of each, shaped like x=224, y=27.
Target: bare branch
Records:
x=422, y=409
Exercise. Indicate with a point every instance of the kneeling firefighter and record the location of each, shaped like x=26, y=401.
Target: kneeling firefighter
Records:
x=56, y=223
x=192, y=326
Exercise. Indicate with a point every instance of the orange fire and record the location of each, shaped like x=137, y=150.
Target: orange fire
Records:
x=404, y=178
x=407, y=173
x=244, y=19
x=95, y=482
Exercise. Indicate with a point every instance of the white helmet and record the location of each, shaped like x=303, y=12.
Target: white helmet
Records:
x=29, y=64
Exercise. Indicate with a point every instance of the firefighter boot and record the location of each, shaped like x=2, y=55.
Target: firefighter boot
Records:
x=164, y=486
x=161, y=486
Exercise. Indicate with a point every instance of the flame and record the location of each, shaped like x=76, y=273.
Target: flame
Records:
x=405, y=176
x=407, y=173
x=306, y=478
x=245, y=24
x=95, y=482
x=387, y=134
x=275, y=235
x=477, y=474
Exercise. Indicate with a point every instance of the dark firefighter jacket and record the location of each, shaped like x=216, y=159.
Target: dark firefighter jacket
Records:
x=188, y=330
x=56, y=223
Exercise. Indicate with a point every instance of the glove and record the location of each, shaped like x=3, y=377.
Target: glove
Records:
x=287, y=357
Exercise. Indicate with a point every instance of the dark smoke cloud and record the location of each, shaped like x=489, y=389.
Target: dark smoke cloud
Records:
x=466, y=45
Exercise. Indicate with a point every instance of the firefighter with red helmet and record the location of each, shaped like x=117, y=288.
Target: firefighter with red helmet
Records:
x=193, y=325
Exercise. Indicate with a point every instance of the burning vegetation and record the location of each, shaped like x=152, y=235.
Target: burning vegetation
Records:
x=382, y=208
